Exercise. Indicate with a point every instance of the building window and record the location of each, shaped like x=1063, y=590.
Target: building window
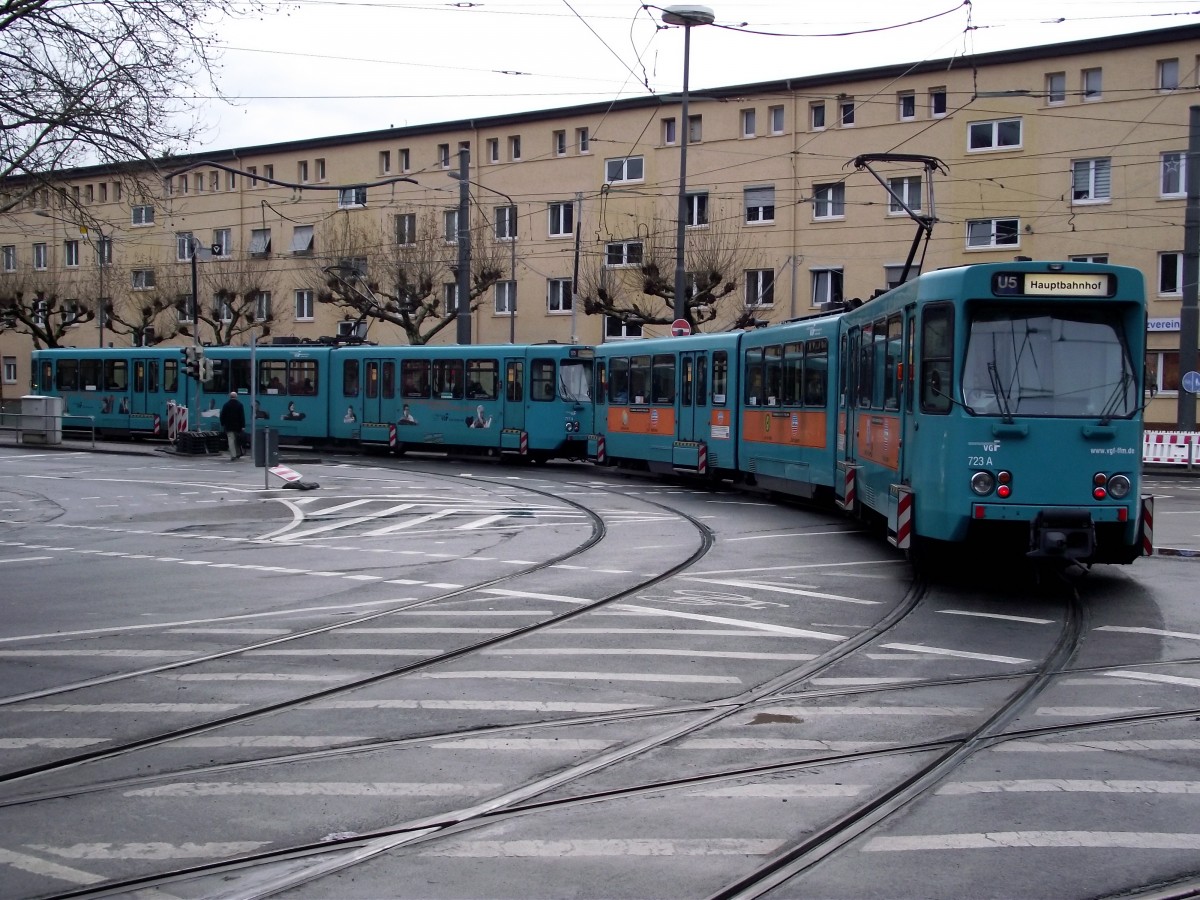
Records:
x=906, y=105
x=616, y=330
x=443, y=155
x=891, y=275
x=222, y=242
x=775, y=114
x=1168, y=74
x=995, y=134
x=184, y=246
x=352, y=198
x=937, y=102
x=1056, y=88
x=506, y=223
x=816, y=115
x=10, y=370
x=1170, y=274
x=760, y=287
x=826, y=285
x=846, y=111
x=748, y=123
x=623, y=253
x=222, y=308
x=319, y=165
x=905, y=191
x=406, y=229
x=1090, y=258
x=302, y=171
x=302, y=240
x=583, y=140
x=1162, y=371
x=142, y=279
x=405, y=160
x=104, y=252
x=514, y=147
x=983, y=233
x=9, y=255
x=829, y=201
x=71, y=254
x=450, y=226
x=230, y=181
x=558, y=296
x=760, y=204
x=450, y=297
x=1091, y=180
x=1093, y=84
x=1174, y=170
x=251, y=172
x=562, y=217
x=41, y=257
x=668, y=132
x=493, y=150
x=304, y=306
x=506, y=293
x=560, y=143
x=262, y=306
x=695, y=129
x=697, y=209
x=142, y=215
x=627, y=168
x=260, y=242
x=268, y=171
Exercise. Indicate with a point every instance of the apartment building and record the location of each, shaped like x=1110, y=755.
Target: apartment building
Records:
x=1066, y=151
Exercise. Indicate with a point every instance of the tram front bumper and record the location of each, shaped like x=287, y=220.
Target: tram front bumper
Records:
x=1062, y=534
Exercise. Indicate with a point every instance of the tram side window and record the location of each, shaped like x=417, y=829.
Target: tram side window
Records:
x=663, y=378
x=618, y=381
x=879, y=367
x=816, y=371
x=866, y=369
x=47, y=382
x=272, y=376
x=701, y=378
x=720, y=378
x=389, y=380
x=139, y=376
x=68, y=375
x=350, y=378
x=601, y=390
x=514, y=381
x=170, y=375
x=793, y=374
x=688, y=381
x=116, y=375
x=372, y=380
x=773, y=374
x=639, y=380
x=892, y=364
x=414, y=378
x=89, y=374
x=448, y=378
x=219, y=383
x=302, y=377
x=937, y=341
x=541, y=379
x=239, y=375
x=483, y=379
x=754, y=377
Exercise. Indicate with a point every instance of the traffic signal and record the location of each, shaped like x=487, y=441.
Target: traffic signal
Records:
x=206, y=369
x=191, y=363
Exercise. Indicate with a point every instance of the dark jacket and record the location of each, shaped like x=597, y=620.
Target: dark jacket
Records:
x=233, y=415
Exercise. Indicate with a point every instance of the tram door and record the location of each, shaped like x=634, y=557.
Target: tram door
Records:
x=514, y=394
x=379, y=391
x=693, y=422
x=848, y=396
x=143, y=392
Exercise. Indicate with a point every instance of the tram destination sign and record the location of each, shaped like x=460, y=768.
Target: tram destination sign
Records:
x=1053, y=284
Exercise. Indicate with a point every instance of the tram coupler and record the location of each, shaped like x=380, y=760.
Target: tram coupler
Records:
x=1066, y=534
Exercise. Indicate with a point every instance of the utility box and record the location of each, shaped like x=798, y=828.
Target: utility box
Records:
x=41, y=419
x=266, y=447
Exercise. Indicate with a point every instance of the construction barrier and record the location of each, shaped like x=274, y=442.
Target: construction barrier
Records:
x=1172, y=448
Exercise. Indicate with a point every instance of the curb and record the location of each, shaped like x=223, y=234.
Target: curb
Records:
x=1176, y=552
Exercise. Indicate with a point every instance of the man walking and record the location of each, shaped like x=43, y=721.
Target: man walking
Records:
x=233, y=420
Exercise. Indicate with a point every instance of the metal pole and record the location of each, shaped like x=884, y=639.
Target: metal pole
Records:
x=1189, y=314
x=463, y=318
x=512, y=300
x=194, y=422
x=100, y=262
x=680, y=272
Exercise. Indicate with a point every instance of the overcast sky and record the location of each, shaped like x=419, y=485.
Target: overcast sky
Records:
x=332, y=67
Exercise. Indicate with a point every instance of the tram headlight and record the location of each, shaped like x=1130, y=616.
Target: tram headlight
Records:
x=982, y=483
x=1119, y=487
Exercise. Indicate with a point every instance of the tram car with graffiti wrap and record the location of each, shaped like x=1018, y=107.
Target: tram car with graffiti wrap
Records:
x=995, y=405
x=528, y=400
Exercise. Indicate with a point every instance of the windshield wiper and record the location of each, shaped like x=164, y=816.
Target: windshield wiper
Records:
x=1001, y=397
x=1114, y=402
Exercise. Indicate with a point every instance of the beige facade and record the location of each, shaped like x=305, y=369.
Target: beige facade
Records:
x=1066, y=151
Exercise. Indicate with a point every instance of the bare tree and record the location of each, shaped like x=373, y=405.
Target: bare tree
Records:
x=43, y=307
x=644, y=293
x=240, y=304
x=102, y=82
x=398, y=278
x=147, y=317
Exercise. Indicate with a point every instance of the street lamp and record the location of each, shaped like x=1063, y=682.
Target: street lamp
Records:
x=512, y=245
x=689, y=17
x=100, y=249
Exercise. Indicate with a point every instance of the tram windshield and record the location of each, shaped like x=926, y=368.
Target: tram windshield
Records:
x=575, y=380
x=1048, y=362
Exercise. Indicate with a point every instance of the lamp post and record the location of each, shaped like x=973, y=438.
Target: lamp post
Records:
x=689, y=17
x=512, y=246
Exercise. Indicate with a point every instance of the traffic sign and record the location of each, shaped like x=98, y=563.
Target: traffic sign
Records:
x=1191, y=382
x=681, y=328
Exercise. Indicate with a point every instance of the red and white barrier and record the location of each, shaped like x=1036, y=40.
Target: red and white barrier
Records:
x=1178, y=448
x=177, y=419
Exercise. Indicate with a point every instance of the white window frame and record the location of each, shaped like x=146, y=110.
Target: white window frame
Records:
x=10, y=370
x=1170, y=274
x=829, y=201
x=1173, y=163
x=558, y=296
x=385, y=162
x=506, y=292
x=223, y=309
x=41, y=256
x=1092, y=178
x=405, y=160
x=583, y=140
x=1090, y=258
x=939, y=103
x=892, y=272
x=631, y=253
x=996, y=239
x=816, y=110
x=1167, y=75
x=406, y=229
x=185, y=243
x=262, y=306
x=302, y=240
x=617, y=330
x=618, y=170
x=71, y=254
x=260, y=242
x=760, y=288
x=8, y=255
x=846, y=112
x=141, y=279
x=697, y=209
x=906, y=106
x=826, y=284
x=670, y=133
x=352, y=198
x=450, y=297
x=776, y=120
x=985, y=136
x=695, y=129
x=514, y=148
x=141, y=215
x=749, y=123
x=757, y=210
x=450, y=226
x=908, y=189
x=443, y=155
x=303, y=306
x=319, y=169
x=302, y=171
x=222, y=239
x=506, y=223
x=560, y=142
x=562, y=220
x=493, y=150
x=1092, y=84
x=1056, y=88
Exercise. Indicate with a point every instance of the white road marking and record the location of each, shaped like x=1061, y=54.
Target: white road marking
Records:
x=257, y=676
x=487, y=705
x=571, y=744
x=998, y=840
x=321, y=529
x=58, y=743
x=270, y=740
x=723, y=620
x=567, y=849
x=1069, y=786
x=801, y=791
x=628, y=651
x=1154, y=677
x=1077, y=712
x=107, y=708
x=151, y=850
x=26, y=559
x=983, y=615
x=1097, y=746
x=956, y=654
x=1152, y=632
x=589, y=676
x=789, y=534
x=47, y=869
x=120, y=654
x=310, y=789
x=530, y=595
x=782, y=744
x=782, y=589
x=810, y=711
x=411, y=523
